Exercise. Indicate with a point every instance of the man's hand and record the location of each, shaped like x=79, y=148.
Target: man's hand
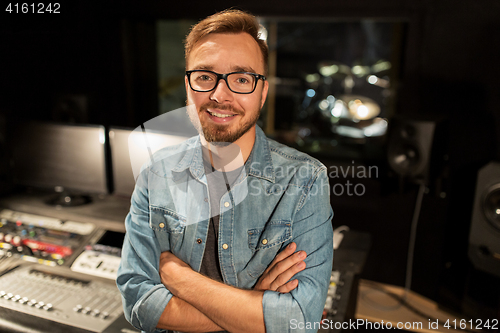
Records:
x=284, y=266
x=172, y=271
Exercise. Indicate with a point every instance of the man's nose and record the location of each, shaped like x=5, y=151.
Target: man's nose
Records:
x=221, y=93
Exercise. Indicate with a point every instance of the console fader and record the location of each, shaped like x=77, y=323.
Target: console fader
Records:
x=88, y=304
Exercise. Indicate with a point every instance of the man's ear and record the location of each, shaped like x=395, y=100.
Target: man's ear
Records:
x=265, y=89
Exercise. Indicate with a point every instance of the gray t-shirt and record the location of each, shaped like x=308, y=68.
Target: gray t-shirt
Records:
x=218, y=184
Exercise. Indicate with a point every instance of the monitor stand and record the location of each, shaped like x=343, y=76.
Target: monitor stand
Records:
x=67, y=199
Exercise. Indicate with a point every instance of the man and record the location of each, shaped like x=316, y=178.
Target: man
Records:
x=260, y=202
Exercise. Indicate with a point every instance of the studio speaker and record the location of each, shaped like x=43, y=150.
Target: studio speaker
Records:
x=416, y=148
x=484, y=236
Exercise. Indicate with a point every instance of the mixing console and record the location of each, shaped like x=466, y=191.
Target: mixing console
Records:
x=88, y=304
x=41, y=239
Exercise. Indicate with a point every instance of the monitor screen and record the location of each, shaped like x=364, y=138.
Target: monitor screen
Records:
x=64, y=156
x=130, y=149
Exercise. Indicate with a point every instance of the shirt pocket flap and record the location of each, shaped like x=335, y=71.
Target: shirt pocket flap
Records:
x=275, y=233
x=166, y=220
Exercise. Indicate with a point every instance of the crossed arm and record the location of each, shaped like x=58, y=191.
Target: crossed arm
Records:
x=214, y=306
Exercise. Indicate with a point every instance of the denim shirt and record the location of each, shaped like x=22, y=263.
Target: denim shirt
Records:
x=282, y=197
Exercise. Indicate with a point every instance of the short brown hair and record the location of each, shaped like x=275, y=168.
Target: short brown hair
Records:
x=228, y=21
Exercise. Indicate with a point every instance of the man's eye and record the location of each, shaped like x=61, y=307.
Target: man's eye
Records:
x=203, y=78
x=242, y=80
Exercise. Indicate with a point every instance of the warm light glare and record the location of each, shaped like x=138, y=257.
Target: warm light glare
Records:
x=102, y=137
x=337, y=109
x=262, y=33
x=312, y=78
x=350, y=132
x=360, y=70
x=381, y=66
x=357, y=70
x=361, y=107
x=372, y=79
x=362, y=111
x=378, y=128
x=329, y=70
x=400, y=158
x=324, y=104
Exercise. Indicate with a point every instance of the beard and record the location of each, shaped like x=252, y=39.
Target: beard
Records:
x=221, y=133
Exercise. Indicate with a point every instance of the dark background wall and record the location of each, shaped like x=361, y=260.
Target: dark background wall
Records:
x=106, y=52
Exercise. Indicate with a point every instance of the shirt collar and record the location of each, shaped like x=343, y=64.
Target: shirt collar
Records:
x=192, y=159
x=259, y=163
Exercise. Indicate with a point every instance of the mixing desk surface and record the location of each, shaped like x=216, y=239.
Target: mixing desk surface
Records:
x=59, y=272
x=91, y=305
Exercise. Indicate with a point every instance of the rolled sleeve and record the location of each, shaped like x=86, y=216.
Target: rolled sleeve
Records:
x=146, y=313
x=299, y=310
x=279, y=310
x=144, y=297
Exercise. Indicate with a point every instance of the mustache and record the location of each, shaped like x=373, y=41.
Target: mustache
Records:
x=215, y=105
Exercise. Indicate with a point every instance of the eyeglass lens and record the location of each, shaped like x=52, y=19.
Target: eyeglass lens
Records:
x=238, y=82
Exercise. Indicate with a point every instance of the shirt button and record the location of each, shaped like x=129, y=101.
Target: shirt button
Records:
x=226, y=204
x=264, y=241
x=199, y=241
x=162, y=225
x=206, y=199
x=225, y=246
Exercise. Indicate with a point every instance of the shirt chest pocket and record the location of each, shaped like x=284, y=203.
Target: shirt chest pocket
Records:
x=168, y=227
x=265, y=244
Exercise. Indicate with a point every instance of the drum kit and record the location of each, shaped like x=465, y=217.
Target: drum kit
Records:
x=350, y=99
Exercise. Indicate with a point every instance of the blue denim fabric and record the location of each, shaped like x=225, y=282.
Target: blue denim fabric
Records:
x=283, y=197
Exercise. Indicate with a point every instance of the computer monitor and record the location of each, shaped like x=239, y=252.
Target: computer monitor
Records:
x=67, y=158
x=130, y=149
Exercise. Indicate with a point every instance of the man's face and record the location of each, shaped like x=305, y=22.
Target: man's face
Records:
x=226, y=116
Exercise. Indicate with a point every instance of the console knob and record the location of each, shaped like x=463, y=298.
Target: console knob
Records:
x=16, y=240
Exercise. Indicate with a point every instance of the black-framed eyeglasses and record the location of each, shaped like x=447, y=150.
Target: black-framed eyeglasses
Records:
x=238, y=82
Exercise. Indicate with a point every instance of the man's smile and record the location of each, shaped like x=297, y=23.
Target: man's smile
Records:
x=221, y=116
